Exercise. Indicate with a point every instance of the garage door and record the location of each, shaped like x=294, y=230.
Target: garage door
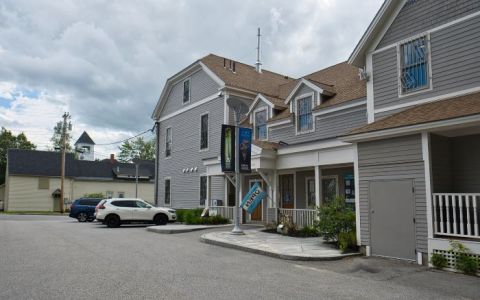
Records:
x=392, y=228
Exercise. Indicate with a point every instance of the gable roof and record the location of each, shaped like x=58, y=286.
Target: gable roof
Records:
x=375, y=28
x=47, y=163
x=84, y=139
x=245, y=76
x=457, y=107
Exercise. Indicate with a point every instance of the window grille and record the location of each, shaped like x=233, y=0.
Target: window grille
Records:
x=168, y=142
x=167, y=192
x=414, y=65
x=203, y=189
x=305, y=120
x=261, y=125
x=186, y=91
x=204, y=132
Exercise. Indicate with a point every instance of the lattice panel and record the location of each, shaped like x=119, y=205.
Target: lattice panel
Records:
x=450, y=256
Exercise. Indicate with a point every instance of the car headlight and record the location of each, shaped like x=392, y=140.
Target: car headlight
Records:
x=172, y=211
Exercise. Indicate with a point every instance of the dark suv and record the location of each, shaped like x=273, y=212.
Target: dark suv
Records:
x=83, y=209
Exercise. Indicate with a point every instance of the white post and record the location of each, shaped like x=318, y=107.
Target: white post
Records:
x=426, y=154
x=318, y=186
x=356, y=178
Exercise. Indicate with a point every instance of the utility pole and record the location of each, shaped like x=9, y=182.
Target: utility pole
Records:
x=64, y=128
x=136, y=180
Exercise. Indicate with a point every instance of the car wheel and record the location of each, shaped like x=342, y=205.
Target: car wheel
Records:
x=82, y=217
x=90, y=220
x=160, y=219
x=112, y=221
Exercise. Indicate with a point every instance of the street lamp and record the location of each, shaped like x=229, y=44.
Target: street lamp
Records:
x=239, y=108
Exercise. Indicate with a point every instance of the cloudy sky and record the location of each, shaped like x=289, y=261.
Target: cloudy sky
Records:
x=106, y=61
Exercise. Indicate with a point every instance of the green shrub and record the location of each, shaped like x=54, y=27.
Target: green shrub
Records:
x=94, y=195
x=465, y=262
x=347, y=240
x=289, y=227
x=307, y=231
x=438, y=261
x=335, y=218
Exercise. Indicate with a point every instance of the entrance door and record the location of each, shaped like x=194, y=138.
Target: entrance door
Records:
x=392, y=228
x=310, y=192
x=257, y=213
x=286, y=191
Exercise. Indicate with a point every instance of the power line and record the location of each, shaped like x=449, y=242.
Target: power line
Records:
x=127, y=139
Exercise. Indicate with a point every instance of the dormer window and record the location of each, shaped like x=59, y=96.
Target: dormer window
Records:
x=186, y=91
x=261, y=124
x=304, y=113
x=414, y=65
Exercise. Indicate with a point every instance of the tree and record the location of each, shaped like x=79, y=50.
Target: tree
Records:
x=57, y=136
x=138, y=148
x=10, y=141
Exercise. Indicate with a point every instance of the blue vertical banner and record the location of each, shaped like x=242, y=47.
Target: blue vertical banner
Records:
x=253, y=198
x=245, y=149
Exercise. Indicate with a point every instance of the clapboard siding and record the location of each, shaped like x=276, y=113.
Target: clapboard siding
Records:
x=201, y=86
x=185, y=187
x=395, y=158
x=326, y=126
x=421, y=15
x=455, y=56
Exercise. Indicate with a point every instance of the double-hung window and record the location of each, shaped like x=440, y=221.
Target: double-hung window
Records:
x=204, y=132
x=414, y=68
x=167, y=198
x=203, y=190
x=261, y=125
x=168, y=142
x=304, y=112
x=186, y=91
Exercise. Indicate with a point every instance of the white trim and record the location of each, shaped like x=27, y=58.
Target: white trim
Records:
x=280, y=122
x=297, y=115
x=432, y=99
x=318, y=186
x=413, y=128
x=254, y=123
x=356, y=178
x=370, y=92
x=207, y=113
x=188, y=79
x=312, y=146
x=338, y=108
x=435, y=29
x=189, y=107
x=401, y=93
x=171, y=143
x=305, y=82
x=426, y=154
x=212, y=75
x=257, y=99
x=226, y=109
x=170, y=187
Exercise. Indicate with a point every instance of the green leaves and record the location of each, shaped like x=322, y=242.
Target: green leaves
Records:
x=138, y=148
x=10, y=141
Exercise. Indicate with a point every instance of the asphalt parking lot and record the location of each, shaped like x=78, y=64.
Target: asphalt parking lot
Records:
x=55, y=257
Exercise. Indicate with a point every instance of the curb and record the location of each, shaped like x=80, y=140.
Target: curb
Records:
x=276, y=255
x=174, y=231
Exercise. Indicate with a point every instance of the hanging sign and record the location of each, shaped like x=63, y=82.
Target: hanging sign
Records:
x=253, y=198
x=245, y=149
x=227, y=151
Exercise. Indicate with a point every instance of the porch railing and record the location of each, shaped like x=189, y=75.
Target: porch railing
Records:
x=301, y=217
x=456, y=214
x=224, y=211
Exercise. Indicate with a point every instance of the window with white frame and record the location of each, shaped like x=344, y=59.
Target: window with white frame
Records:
x=304, y=114
x=261, y=125
x=204, y=131
x=186, y=91
x=329, y=187
x=414, y=65
x=167, y=195
x=203, y=190
x=168, y=142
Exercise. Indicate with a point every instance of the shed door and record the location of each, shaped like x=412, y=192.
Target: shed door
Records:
x=392, y=219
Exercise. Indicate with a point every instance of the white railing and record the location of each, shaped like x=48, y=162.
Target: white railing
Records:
x=301, y=217
x=224, y=211
x=456, y=214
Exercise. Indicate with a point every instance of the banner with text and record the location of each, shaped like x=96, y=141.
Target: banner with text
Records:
x=245, y=149
x=253, y=198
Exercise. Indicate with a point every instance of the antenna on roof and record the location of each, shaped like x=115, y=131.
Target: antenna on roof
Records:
x=258, y=64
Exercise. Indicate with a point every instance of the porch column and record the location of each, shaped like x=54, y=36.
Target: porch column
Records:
x=275, y=193
x=318, y=185
x=209, y=189
x=426, y=153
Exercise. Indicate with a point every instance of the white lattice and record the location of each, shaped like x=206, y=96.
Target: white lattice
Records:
x=450, y=256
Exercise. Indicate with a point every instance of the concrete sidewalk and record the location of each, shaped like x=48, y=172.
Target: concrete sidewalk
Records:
x=276, y=245
x=181, y=228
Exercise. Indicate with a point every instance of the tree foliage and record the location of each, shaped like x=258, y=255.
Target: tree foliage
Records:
x=11, y=141
x=138, y=148
x=56, y=138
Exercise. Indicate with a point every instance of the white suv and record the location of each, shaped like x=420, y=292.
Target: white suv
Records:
x=117, y=211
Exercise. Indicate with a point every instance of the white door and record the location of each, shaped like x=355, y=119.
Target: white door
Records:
x=124, y=209
x=142, y=211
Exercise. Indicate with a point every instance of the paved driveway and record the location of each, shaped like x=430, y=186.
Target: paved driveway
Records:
x=54, y=257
